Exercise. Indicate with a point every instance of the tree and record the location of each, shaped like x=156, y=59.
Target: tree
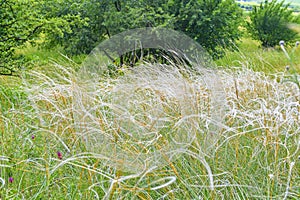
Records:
x=23, y=21
x=78, y=24
x=104, y=19
x=269, y=23
x=214, y=24
x=17, y=26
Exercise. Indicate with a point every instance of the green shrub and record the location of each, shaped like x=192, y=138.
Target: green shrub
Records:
x=269, y=23
x=214, y=24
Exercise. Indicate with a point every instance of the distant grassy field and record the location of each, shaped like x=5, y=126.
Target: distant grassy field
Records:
x=259, y=1
x=250, y=55
x=294, y=3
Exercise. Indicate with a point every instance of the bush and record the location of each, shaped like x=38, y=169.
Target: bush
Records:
x=213, y=24
x=269, y=23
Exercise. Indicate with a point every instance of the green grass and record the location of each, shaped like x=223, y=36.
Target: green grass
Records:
x=40, y=57
x=255, y=155
x=251, y=56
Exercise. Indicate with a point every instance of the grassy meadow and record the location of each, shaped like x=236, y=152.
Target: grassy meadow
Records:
x=254, y=154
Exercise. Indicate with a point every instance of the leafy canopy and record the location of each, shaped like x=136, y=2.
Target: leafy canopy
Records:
x=23, y=21
x=79, y=25
x=17, y=26
x=212, y=23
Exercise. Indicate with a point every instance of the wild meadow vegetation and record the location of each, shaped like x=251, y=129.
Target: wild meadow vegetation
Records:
x=252, y=151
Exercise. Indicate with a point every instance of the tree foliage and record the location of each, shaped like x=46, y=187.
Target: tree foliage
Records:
x=17, y=26
x=269, y=23
x=212, y=23
x=79, y=25
x=106, y=18
x=23, y=21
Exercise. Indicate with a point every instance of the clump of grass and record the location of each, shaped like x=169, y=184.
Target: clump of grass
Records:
x=150, y=108
x=52, y=113
x=254, y=156
x=291, y=70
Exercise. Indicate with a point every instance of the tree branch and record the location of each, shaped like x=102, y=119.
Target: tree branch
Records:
x=118, y=5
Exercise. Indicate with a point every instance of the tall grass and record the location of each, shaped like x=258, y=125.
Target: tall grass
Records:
x=248, y=55
x=47, y=152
